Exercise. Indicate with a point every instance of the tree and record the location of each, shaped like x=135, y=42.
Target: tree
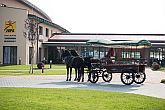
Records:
x=31, y=35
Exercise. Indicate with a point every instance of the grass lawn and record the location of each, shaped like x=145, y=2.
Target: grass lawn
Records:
x=162, y=69
x=26, y=67
x=24, y=70
x=74, y=99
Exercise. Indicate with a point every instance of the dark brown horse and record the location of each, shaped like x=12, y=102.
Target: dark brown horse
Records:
x=72, y=60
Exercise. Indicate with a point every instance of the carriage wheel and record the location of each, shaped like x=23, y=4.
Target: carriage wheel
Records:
x=107, y=77
x=127, y=77
x=139, y=77
x=94, y=77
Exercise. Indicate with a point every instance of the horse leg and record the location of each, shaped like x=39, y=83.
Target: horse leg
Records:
x=67, y=73
x=75, y=74
x=79, y=75
x=82, y=74
x=70, y=74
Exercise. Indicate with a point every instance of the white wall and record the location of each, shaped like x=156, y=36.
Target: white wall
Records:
x=14, y=3
x=18, y=16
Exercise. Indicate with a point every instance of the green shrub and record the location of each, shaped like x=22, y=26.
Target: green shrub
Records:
x=155, y=66
x=163, y=81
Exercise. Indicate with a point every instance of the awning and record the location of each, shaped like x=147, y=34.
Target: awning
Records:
x=119, y=44
x=99, y=42
x=132, y=43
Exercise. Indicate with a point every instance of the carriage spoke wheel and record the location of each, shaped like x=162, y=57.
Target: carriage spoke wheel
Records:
x=139, y=77
x=94, y=77
x=127, y=77
x=107, y=77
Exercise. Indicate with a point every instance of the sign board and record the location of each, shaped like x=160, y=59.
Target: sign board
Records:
x=10, y=28
x=10, y=31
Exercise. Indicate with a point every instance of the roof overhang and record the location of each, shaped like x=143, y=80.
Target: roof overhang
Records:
x=74, y=44
x=115, y=37
x=157, y=40
x=41, y=20
x=160, y=45
x=32, y=6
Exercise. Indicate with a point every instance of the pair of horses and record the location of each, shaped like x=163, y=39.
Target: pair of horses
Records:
x=73, y=60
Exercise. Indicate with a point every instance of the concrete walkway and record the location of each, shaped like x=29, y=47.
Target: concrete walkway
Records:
x=151, y=87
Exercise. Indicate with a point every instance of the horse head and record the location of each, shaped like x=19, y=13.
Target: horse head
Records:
x=65, y=53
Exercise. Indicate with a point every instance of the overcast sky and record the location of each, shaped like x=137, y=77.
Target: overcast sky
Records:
x=106, y=16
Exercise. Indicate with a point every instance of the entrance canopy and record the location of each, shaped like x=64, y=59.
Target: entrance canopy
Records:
x=98, y=40
x=75, y=44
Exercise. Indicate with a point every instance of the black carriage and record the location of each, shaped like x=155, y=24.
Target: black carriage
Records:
x=131, y=69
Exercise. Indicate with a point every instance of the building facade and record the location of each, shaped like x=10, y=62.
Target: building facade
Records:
x=14, y=46
x=77, y=41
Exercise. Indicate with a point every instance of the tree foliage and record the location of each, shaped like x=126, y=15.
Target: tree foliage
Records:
x=31, y=34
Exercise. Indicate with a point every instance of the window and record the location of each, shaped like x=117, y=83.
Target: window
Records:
x=89, y=52
x=40, y=52
x=157, y=53
x=10, y=55
x=47, y=32
x=102, y=52
x=51, y=32
x=96, y=53
x=40, y=30
x=130, y=54
x=30, y=55
x=46, y=53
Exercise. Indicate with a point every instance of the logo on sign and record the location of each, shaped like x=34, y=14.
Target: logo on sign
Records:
x=10, y=27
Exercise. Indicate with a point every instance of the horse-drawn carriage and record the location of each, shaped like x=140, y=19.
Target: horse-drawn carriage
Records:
x=131, y=69
x=129, y=73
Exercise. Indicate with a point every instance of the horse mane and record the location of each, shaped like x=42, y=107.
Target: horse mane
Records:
x=74, y=53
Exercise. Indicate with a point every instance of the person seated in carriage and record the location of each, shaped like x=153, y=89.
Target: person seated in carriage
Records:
x=108, y=59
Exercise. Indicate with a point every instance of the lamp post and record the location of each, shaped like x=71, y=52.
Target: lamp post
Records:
x=50, y=63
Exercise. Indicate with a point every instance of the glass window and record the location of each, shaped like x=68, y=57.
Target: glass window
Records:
x=96, y=53
x=83, y=51
x=40, y=30
x=47, y=32
x=40, y=52
x=157, y=53
x=163, y=53
x=102, y=52
x=9, y=55
x=87, y=51
x=46, y=53
x=130, y=54
x=90, y=51
x=30, y=54
x=51, y=32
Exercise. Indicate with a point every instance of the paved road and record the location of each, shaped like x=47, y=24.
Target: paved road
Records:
x=151, y=87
